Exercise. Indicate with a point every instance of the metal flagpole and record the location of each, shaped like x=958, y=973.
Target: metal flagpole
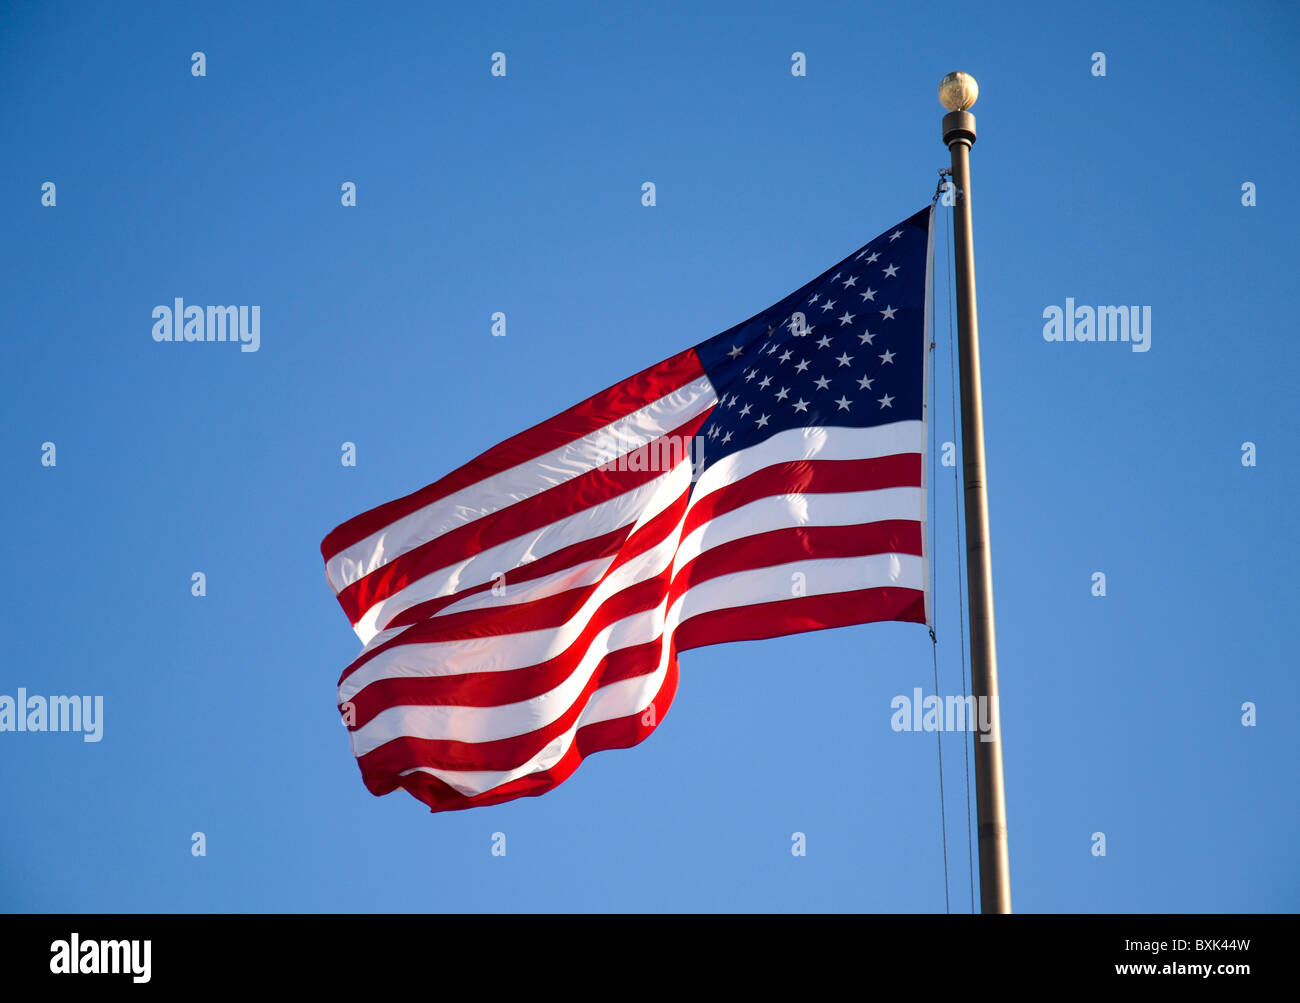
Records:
x=958, y=92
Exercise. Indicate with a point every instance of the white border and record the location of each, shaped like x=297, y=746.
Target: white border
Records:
x=926, y=419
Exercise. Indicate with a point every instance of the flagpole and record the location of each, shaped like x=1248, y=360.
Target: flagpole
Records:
x=958, y=92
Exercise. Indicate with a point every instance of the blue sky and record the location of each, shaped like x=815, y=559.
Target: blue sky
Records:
x=1121, y=714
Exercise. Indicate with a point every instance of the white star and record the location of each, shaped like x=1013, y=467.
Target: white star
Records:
x=847, y=318
x=870, y=294
x=808, y=329
x=888, y=357
x=872, y=260
x=816, y=297
x=844, y=359
x=736, y=351
x=861, y=255
x=886, y=401
x=803, y=364
x=822, y=382
x=828, y=305
x=852, y=280
x=782, y=394
x=785, y=356
x=888, y=313
x=823, y=342
x=843, y=403
x=801, y=405
x=891, y=271
x=764, y=382
x=745, y=410
x=734, y=401
x=865, y=383
x=866, y=337
x=750, y=375
x=772, y=350
x=836, y=276
x=762, y=421
x=895, y=235
x=725, y=438
x=713, y=432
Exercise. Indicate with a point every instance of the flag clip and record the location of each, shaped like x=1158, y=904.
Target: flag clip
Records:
x=944, y=174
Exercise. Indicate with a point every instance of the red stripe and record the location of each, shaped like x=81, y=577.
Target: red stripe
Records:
x=531, y=514
x=784, y=546
x=595, y=412
x=797, y=616
x=620, y=733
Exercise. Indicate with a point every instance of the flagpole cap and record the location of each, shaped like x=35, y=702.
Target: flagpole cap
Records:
x=958, y=91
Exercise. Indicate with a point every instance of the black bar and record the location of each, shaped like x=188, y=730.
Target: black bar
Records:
x=397, y=953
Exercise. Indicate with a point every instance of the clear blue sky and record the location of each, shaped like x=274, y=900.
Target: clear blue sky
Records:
x=522, y=194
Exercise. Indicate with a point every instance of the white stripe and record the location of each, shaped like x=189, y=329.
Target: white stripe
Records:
x=576, y=577
x=820, y=443
x=788, y=511
x=821, y=577
x=519, y=482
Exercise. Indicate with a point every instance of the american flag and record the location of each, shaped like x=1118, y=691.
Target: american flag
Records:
x=527, y=609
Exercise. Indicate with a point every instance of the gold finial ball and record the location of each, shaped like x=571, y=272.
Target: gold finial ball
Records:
x=958, y=91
